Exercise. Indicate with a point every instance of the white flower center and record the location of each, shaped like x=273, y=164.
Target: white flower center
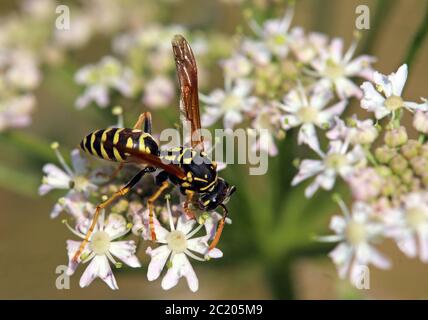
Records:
x=356, y=233
x=334, y=70
x=80, y=183
x=393, y=102
x=176, y=241
x=100, y=242
x=335, y=161
x=231, y=102
x=307, y=114
x=416, y=216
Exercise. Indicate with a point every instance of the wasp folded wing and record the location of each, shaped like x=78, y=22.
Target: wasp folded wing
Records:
x=188, y=77
x=138, y=156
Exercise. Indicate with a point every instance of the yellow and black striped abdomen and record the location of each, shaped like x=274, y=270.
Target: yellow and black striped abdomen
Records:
x=109, y=144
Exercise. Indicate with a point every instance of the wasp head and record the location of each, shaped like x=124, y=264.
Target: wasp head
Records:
x=218, y=196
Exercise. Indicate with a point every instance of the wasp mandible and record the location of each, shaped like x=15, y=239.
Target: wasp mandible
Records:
x=187, y=167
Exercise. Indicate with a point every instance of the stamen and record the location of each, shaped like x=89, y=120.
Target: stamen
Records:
x=55, y=147
x=85, y=258
x=191, y=234
x=286, y=20
x=338, y=199
x=110, y=257
x=75, y=232
x=171, y=222
x=329, y=239
x=118, y=111
x=193, y=256
x=349, y=54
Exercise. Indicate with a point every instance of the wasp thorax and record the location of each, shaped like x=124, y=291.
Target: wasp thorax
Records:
x=100, y=242
x=176, y=241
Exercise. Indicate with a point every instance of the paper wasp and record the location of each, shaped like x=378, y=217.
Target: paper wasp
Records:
x=198, y=180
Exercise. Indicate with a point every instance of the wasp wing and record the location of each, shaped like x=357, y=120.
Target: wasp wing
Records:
x=154, y=161
x=188, y=78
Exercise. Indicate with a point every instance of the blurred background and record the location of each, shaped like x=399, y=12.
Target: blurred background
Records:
x=32, y=245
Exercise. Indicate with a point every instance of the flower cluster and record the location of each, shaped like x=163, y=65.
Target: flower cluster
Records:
x=289, y=79
x=304, y=82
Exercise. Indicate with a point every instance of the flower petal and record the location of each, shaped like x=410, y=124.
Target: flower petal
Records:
x=125, y=251
x=159, y=256
x=98, y=267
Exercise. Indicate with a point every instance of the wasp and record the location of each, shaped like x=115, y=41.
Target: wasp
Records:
x=187, y=166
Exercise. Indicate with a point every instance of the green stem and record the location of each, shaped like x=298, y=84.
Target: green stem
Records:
x=280, y=279
x=418, y=40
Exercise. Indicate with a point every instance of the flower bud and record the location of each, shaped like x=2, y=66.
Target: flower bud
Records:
x=398, y=164
x=419, y=165
x=410, y=149
x=383, y=171
x=407, y=176
x=384, y=154
x=365, y=184
x=425, y=179
x=396, y=137
x=415, y=185
x=420, y=121
x=390, y=185
x=424, y=151
x=365, y=135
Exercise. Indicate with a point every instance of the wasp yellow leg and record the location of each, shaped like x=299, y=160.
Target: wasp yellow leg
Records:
x=150, y=202
x=144, y=119
x=219, y=229
x=189, y=196
x=123, y=191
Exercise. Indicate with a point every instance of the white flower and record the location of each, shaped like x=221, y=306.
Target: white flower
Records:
x=74, y=180
x=101, y=249
x=108, y=74
x=390, y=100
x=356, y=232
x=335, y=68
x=267, y=123
x=256, y=51
x=420, y=121
x=365, y=184
x=358, y=131
x=158, y=92
x=237, y=66
x=408, y=225
x=274, y=33
x=176, y=245
x=337, y=161
x=309, y=113
x=307, y=48
x=79, y=33
x=15, y=112
x=229, y=103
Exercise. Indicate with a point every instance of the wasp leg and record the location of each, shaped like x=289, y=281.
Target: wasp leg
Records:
x=123, y=191
x=189, y=196
x=219, y=229
x=145, y=122
x=152, y=199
